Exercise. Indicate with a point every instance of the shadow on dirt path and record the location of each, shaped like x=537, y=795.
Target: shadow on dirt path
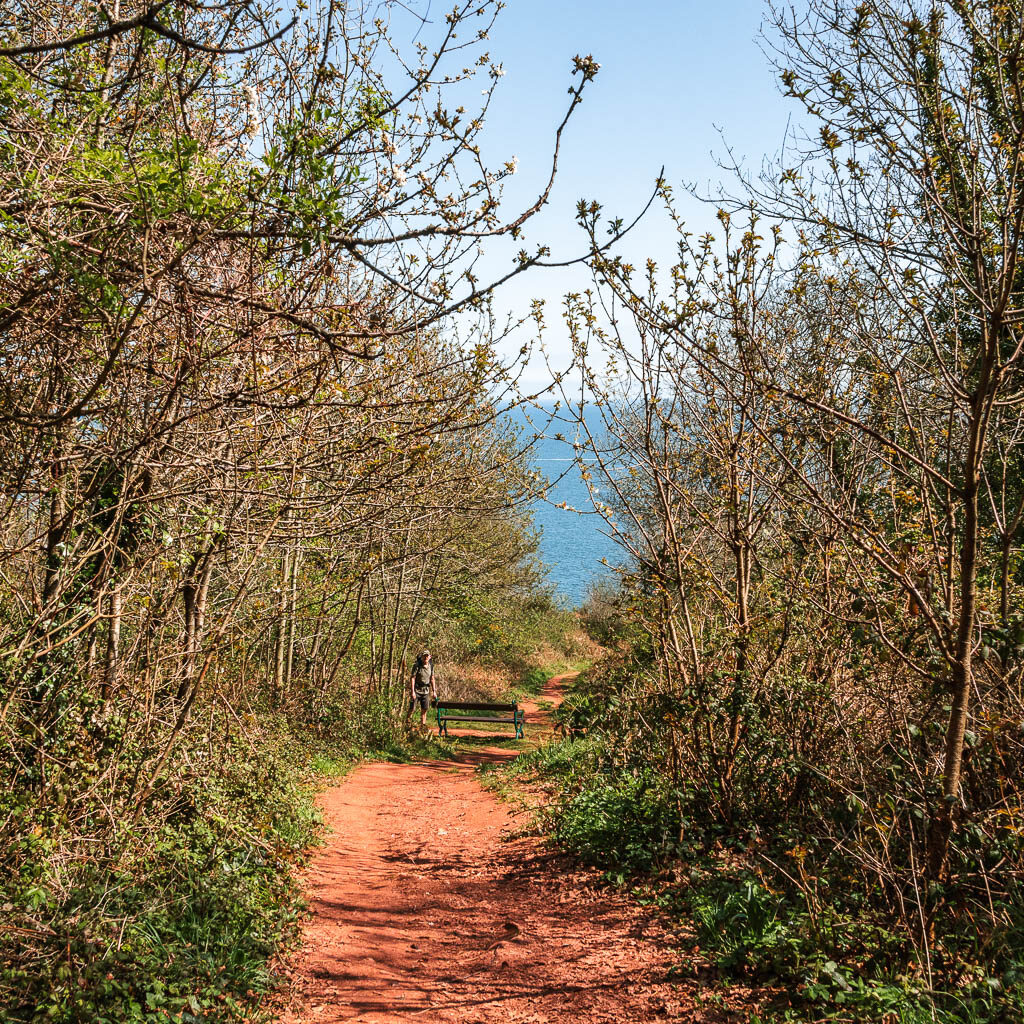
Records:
x=427, y=905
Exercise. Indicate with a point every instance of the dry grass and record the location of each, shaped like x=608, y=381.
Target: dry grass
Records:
x=476, y=681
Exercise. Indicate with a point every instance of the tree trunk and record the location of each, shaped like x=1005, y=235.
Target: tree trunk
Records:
x=277, y=690
x=741, y=647
x=292, y=605
x=941, y=826
x=113, y=644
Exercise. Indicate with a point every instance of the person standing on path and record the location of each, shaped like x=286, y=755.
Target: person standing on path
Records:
x=423, y=685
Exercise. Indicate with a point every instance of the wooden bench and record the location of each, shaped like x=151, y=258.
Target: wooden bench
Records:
x=461, y=711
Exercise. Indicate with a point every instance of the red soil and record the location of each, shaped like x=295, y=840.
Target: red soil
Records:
x=426, y=905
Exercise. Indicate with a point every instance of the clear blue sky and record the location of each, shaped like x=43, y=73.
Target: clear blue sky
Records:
x=673, y=75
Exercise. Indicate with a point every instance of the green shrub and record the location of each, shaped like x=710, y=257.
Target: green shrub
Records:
x=625, y=822
x=746, y=925
x=174, y=915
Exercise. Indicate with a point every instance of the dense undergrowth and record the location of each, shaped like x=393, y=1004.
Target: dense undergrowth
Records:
x=166, y=910
x=783, y=897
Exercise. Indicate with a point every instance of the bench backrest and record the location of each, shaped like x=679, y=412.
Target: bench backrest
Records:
x=451, y=705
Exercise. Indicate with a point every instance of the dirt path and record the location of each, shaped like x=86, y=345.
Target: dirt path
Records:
x=426, y=906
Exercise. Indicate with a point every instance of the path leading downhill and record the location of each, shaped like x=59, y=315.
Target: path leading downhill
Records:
x=427, y=906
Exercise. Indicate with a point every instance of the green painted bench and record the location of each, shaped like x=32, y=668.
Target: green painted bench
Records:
x=462, y=711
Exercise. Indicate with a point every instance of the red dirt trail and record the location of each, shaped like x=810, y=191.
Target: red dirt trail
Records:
x=426, y=905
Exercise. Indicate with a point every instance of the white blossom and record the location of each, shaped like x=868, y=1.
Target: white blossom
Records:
x=250, y=95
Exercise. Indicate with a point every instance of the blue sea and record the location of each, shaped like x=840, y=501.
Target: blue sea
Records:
x=572, y=543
